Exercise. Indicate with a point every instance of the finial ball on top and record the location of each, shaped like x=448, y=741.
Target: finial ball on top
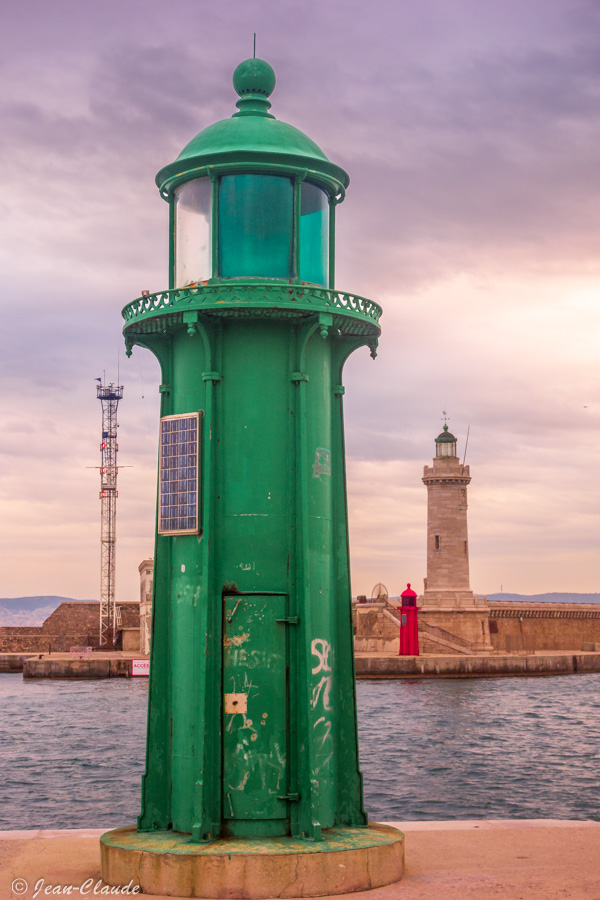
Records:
x=254, y=76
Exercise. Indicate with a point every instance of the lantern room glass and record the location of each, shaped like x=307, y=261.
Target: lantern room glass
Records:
x=193, y=245
x=445, y=448
x=314, y=235
x=256, y=217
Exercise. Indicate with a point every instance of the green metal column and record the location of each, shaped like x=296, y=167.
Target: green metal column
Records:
x=252, y=710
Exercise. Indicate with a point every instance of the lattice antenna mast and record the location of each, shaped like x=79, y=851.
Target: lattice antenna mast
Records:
x=109, y=395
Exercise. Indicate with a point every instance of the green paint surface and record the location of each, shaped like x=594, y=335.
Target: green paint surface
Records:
x=252, y=714
x=255, y=740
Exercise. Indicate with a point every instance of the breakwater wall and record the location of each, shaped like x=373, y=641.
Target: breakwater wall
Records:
x=12, y=662
x=105, y=666
x=475, y=666
x=367, y=665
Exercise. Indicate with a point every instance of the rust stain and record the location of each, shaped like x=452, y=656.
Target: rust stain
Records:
x=236, y=641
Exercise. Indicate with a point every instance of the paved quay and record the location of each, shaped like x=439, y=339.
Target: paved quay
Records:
x=459, y=860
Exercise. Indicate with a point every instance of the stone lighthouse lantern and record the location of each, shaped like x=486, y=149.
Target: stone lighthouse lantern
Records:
x=445, y=444
x=252, y=752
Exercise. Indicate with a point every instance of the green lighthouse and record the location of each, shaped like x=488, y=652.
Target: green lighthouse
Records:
x=252, y=713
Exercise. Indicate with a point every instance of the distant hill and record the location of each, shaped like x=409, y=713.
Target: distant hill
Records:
x=542, y=598
x=29, y=611
x=530, y=598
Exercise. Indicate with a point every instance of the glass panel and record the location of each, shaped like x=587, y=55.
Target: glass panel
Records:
x=314, y=235
x=193, y=248
x=256, y=215
x=446, y=449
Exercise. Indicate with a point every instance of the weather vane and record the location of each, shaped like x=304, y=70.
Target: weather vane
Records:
x=444, y=416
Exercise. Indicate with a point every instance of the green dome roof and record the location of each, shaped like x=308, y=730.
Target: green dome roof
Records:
x=252, y=139
x=250, y=133
x=446, y=437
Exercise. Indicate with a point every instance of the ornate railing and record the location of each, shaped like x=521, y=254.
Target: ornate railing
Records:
x=263, y=295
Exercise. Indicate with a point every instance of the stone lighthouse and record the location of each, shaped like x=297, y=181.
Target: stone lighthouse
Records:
x=252, y=752
x=447, y=536
x=447, y=586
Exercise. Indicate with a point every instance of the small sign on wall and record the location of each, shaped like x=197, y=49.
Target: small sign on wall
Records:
x=140, y=667
x=236, y=703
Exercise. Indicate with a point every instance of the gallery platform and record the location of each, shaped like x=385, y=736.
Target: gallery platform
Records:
x=459, y=860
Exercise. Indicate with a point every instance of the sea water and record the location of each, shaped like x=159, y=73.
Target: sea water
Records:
x=72, y=752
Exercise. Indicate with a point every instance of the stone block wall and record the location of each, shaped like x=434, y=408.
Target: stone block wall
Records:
x=73, y=618
x=146, y=570
x=375, y=628
x=131, y=639
x=23, y=640
x=532, y=627
x=453, y=631
x=130, y=615
x=447, y=533
x=511, y=628
x=71, y=624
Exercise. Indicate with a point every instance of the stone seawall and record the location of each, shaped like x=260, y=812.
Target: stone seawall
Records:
x=12, y=662
x=118, y=665
x=107, y=665
x=475, y=666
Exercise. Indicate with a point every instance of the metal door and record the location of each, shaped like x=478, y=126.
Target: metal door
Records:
x=255, y=766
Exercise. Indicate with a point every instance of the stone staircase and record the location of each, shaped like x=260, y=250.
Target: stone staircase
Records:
x=434, y=639
x=442, y=640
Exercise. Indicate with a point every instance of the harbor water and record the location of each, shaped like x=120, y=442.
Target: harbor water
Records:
x=72, y=753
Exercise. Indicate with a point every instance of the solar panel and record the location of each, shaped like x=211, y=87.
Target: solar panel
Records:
x=178, y=480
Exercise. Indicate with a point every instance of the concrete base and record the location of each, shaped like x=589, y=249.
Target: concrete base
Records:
x=167, y=864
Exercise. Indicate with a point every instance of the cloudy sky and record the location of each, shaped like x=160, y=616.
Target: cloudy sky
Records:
x=470, y=131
